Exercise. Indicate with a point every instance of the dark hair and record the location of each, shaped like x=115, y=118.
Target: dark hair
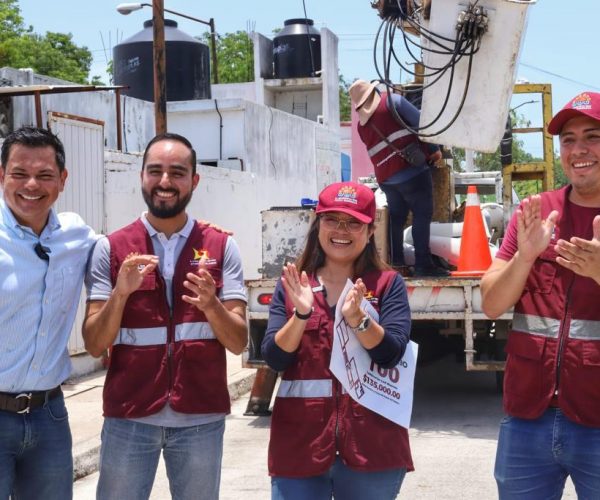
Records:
x=169, y=136
x=33, y=137
x=313, y=256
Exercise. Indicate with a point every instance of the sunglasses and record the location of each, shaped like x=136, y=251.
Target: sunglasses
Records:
x=41, y=251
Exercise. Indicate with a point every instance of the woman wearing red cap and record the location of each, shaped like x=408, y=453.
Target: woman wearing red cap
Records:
x=323, y=443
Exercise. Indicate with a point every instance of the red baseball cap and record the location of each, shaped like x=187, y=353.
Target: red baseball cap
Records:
x=585, y=104
x=350, y=198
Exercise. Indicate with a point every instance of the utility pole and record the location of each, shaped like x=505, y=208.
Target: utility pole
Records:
x=160, y=65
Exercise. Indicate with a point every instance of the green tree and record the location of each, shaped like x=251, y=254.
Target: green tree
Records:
x=52, y=54
x=560, y=179
x=11, y=21
x=345, y=105
x=235, y=56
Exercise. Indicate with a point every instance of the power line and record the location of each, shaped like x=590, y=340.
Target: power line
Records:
x=556, y=75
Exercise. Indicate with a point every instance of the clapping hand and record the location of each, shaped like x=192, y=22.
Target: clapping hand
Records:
x=582, y=256
x=351, y=310
x=297, y=288
x=133, y=270
x=533, y=233
x=203, y=286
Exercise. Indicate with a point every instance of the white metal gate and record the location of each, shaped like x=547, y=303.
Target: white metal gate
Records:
x=83, y=139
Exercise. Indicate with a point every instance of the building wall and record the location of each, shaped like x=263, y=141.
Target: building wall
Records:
x=137, y=115
x=361, y=163
x=246, y=91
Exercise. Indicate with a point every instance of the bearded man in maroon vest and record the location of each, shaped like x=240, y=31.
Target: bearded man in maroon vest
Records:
x=548, y=268
x=401, y=162
x=166, y=293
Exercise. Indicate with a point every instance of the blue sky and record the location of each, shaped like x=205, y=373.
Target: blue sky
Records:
x=559, y=46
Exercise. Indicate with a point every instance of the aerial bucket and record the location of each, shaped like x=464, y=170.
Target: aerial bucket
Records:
x=481, y=122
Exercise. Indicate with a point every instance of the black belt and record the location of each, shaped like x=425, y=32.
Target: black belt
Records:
x=24, y=402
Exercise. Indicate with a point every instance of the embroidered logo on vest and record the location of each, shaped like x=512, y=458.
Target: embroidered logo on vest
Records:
x=201, y=256
x=369, y=297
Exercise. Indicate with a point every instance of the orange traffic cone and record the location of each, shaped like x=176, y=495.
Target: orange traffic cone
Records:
x=475, y=256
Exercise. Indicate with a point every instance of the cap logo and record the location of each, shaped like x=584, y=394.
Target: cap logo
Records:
x=347, y=194
x=582, y=101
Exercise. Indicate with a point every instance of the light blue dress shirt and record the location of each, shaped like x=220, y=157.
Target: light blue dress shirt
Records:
x=39, y=298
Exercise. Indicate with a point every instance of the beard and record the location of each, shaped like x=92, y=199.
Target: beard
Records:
x=161, y=210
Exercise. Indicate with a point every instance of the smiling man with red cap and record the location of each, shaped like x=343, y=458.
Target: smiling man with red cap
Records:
x=548, y=268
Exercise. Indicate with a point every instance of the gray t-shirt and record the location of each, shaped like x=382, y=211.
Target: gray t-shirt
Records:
x=99, y=287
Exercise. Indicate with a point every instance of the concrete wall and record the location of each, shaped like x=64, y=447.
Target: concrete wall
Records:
x=361, y=163
x=312, y=98
x=137, y=115
x=330, y=76
x=263, y=56
x=271, y=143
x=246, y=91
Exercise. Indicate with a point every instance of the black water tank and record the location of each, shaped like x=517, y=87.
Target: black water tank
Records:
x=188, y=66
x=297, y=50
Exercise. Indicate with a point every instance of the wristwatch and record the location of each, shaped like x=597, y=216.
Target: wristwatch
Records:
x=364, y=323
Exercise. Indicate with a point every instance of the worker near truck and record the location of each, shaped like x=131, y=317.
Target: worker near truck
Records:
x=402, y=168
x=167, y=293
x=42, y=260
x=549, y=268
x=323, y=443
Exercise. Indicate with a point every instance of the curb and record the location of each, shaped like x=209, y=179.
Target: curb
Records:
x=86, y=455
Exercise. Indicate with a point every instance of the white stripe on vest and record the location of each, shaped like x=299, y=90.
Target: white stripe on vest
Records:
x=321, y=388
x=380, y=146
x=142, y=336
x=158, y=335
x=194, y=331
x=536, y=325
x=586, y=329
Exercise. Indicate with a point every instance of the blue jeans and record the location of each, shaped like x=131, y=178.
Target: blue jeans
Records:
x=534, y=458
x=339, y=482
x=35, y=453
x=131, y=450
x=415, y=195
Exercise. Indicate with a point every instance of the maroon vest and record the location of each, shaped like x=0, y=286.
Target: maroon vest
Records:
x=162, y=356
x=555, y=338
x=386, y=160
x=321, y=419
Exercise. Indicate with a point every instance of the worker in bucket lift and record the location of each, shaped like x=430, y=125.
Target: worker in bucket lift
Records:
x=402, y=169
x=323, y=443
x=548, y=268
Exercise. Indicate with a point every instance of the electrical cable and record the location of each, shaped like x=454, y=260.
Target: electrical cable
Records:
x=312, y=61
x=220, y=131
x=471, y=25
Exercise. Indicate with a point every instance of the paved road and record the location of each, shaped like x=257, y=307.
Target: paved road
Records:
x=453, y=437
